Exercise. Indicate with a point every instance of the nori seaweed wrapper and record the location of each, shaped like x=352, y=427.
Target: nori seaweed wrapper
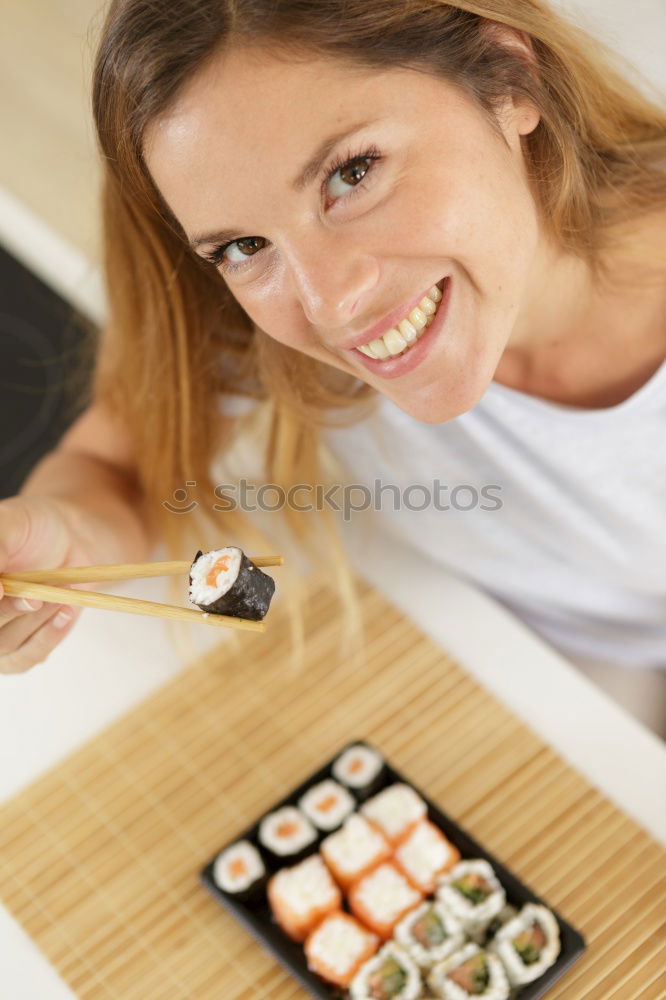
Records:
x=248, y=597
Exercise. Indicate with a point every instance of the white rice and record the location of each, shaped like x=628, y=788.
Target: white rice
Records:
x=306, y=886
x=327, y=804
x=359, y=988
x=498, y=985
x=250, y=859
x=422, y=955
x=272, y=836
x=339, y=942
x=385, y=893
x=424, y=855
x=517, y=971
x=395, y=809
x=357, y=766
x=202, y=592
x=354, y=847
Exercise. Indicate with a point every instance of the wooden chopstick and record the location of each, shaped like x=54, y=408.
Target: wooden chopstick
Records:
x=118, y=571
x=114, y=602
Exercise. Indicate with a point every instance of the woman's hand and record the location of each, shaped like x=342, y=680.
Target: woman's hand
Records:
x=34, y=534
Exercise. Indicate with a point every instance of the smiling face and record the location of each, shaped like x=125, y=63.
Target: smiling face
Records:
x=432, y=192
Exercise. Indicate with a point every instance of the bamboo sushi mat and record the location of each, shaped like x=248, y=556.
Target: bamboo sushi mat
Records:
x=100, y=858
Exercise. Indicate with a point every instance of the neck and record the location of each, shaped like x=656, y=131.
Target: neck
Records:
x=591, y=339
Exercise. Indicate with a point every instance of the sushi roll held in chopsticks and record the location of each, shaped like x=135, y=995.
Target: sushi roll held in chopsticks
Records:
x=225, y=582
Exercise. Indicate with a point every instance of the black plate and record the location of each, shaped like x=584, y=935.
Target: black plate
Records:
x=257, y=918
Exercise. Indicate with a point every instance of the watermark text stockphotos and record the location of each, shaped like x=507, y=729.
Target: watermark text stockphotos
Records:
x=344, y=498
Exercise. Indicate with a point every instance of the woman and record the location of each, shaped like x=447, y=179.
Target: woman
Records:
x=292, y=191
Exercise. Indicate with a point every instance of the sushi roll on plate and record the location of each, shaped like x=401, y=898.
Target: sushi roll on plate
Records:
x=382, y=897
x=239, y=870
x=424, y=854
x=286, y=833
x=528, y=944
x=470, y=972
x=395, y=811
x=354, y=849
x=338, y=947
x=429, y=934
x=473, y=894
x=225, y=582
x=360, y=768
x=300, y=897
x=327, y=804
x=390, y=975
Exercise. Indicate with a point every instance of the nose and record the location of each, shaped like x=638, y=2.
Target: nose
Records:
x=332, y=281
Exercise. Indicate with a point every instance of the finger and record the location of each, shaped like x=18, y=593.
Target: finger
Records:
x=18, y=628
x=34, y=647
x=13, y=607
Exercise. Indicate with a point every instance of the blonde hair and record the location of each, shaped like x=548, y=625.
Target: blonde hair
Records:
x=176, y=338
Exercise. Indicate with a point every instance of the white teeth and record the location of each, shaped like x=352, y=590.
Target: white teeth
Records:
x=379, y=348
x=408, y=331
x=394, y=340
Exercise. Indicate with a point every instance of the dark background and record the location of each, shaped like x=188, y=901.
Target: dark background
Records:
x=46, y=352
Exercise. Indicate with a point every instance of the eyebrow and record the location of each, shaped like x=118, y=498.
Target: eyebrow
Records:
x=304, y=178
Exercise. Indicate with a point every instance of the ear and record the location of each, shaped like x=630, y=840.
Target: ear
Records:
x=521, y=112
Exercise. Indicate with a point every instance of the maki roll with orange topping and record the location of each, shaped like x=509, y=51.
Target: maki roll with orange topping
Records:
x=425, y=854
x=225, y=582
x=354, y=849
x=338, y=946
x=395, y=811
x=382, y=897
x=300, y=897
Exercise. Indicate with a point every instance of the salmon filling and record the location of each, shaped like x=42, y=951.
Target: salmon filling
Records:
x=388, y=981
x=530, y=943
x=218, y=566
x=473, y=975
x=429, y=930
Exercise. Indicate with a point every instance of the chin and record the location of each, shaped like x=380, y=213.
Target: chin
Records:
x=444, y=401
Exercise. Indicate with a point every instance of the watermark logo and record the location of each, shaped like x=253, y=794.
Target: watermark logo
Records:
x=344, y=498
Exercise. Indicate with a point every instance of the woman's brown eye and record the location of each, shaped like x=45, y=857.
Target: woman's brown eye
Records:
x=354, y=172
x=251, y=241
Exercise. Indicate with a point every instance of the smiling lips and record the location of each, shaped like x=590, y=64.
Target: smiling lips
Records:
x=400, y=338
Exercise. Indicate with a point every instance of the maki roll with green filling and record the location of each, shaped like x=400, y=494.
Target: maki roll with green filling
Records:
x=473, y=894
x=225, y=582
x=390, y=975
x=529, y=944
x=470, y=972
x=429, y=934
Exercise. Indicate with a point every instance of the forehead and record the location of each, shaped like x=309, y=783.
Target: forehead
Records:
x=247, y=93
x=248, y=117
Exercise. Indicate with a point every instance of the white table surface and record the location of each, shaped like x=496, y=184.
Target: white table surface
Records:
x=109, y=663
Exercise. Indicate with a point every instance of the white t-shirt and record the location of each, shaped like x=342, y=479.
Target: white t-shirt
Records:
x=556, y=511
